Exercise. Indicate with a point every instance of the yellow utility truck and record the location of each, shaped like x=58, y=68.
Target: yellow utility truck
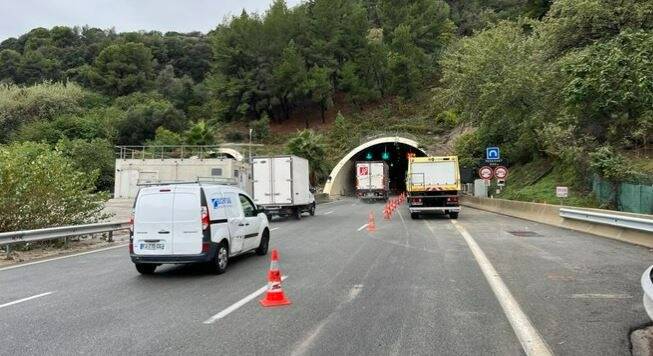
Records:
x=433, y=186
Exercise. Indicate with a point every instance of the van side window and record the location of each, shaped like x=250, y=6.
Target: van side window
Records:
x=248, y=206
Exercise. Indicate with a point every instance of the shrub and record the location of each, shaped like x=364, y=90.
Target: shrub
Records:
x=41, y=188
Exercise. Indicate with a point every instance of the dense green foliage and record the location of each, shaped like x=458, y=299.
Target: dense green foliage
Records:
x=41, y=188
x=563, y=87
x=566, y=81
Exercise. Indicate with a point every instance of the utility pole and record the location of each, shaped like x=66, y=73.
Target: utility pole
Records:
x=250, y=145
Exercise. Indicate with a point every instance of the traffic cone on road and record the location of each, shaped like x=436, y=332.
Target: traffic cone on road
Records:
x=386, y=212
x=274, y=297
x=371, y=224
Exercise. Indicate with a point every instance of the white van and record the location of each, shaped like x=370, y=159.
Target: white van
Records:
x=195, y=223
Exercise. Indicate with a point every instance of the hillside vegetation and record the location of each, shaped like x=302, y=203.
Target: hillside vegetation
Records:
x=568, y=82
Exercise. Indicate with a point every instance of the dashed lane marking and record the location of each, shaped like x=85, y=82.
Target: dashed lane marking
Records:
x=362, y=227
x=329, y=212
x=274, y=228
x=233, y=307
x=25, y=299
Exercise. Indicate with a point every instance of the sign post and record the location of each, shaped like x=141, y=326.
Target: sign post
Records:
x=561, y=193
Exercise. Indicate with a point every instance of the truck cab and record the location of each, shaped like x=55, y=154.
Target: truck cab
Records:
x=433, y=186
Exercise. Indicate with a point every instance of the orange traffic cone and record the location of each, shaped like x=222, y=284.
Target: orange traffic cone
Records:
x=371, y=224
x=274, y=297
x=386, y=212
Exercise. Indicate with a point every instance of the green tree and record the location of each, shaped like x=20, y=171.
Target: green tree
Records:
x=41, y=188
x=124, y=68
x=290, y=77
x=319, y=85
x=261, y=128
x=94, y=156
x=45, y=101
x=609, y=91
x=309, y=145
x=200, y=134
x=143, y=114
x=9, y=65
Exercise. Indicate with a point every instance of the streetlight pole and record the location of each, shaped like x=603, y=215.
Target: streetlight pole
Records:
x=250, y=145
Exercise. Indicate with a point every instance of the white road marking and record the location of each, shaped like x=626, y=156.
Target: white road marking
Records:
x=362, y=227
x=62, y=257
x=331, y=202
x=600, y=296
x=274, y=228
x=530, y=339
x=25, y=299
x=328, y=212
x=233, y=307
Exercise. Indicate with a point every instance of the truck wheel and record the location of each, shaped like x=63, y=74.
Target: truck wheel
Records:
x=453, y=215
x=221, y=259
x=312, y=210
x=298, y=213
x=262, y=248
x=145, y=268
x=414, y=216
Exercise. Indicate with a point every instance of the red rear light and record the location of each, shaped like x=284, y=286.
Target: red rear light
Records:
x=452, y=199
x=205, y=218
x=131, y=222
x=131, y=247
x=205, y=247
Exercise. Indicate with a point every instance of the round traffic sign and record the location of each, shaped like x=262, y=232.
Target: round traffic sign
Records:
x=486, y=172
x=501, y=172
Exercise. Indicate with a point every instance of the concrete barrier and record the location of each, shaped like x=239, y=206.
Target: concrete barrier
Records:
x=549, y=214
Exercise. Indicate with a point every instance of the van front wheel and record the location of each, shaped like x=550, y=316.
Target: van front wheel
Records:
x=145, y=268
x=262, y=248
x=221, y=260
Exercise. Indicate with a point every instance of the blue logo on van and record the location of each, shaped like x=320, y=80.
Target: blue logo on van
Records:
x=216, y=202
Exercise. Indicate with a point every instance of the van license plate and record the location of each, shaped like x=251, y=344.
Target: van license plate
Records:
x=152, y=246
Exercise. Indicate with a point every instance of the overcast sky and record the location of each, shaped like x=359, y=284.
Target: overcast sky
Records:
x=19, y=16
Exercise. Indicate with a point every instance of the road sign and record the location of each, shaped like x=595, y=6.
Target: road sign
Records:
x=492, y=153
x=501, y=172
x=363, y=171
x=486, y=172
x=500, y=182
x=562, y=192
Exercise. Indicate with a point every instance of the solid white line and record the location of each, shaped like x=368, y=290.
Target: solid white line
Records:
x=530, y=339
x=238, y=304
x=362, y=227
x=329, y=212
x=62, y=257
x=274, y=228
x=25, y=299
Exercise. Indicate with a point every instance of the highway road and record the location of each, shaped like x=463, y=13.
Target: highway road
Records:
x=418, y=287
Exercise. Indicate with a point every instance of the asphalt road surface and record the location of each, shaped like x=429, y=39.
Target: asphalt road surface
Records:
x=413, y=287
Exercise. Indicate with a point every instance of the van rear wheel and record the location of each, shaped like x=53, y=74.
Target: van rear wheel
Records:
x=414, y=216
x=145, y=268
x=221, y=259
x=453, y=215
x=312, y=210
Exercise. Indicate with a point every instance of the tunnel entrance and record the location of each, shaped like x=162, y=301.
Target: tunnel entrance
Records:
x=395, y=155
x=393, y=150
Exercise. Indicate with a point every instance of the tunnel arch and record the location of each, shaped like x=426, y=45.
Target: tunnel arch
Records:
x=338, y=182
x=231, y=153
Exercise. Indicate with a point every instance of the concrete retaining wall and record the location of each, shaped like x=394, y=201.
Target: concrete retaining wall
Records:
x=549, y=214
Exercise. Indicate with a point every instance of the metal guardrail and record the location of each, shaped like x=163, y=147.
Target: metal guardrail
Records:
x=13, y=237
x=627, y=222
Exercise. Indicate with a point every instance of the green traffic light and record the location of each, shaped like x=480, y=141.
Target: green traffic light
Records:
x=385, y=156
x=368, y=156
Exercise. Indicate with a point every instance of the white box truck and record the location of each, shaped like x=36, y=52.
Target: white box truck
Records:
x=281, y=186
x=372, y=180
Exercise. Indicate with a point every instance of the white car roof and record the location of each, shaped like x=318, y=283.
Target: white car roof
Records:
x=209, y=187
